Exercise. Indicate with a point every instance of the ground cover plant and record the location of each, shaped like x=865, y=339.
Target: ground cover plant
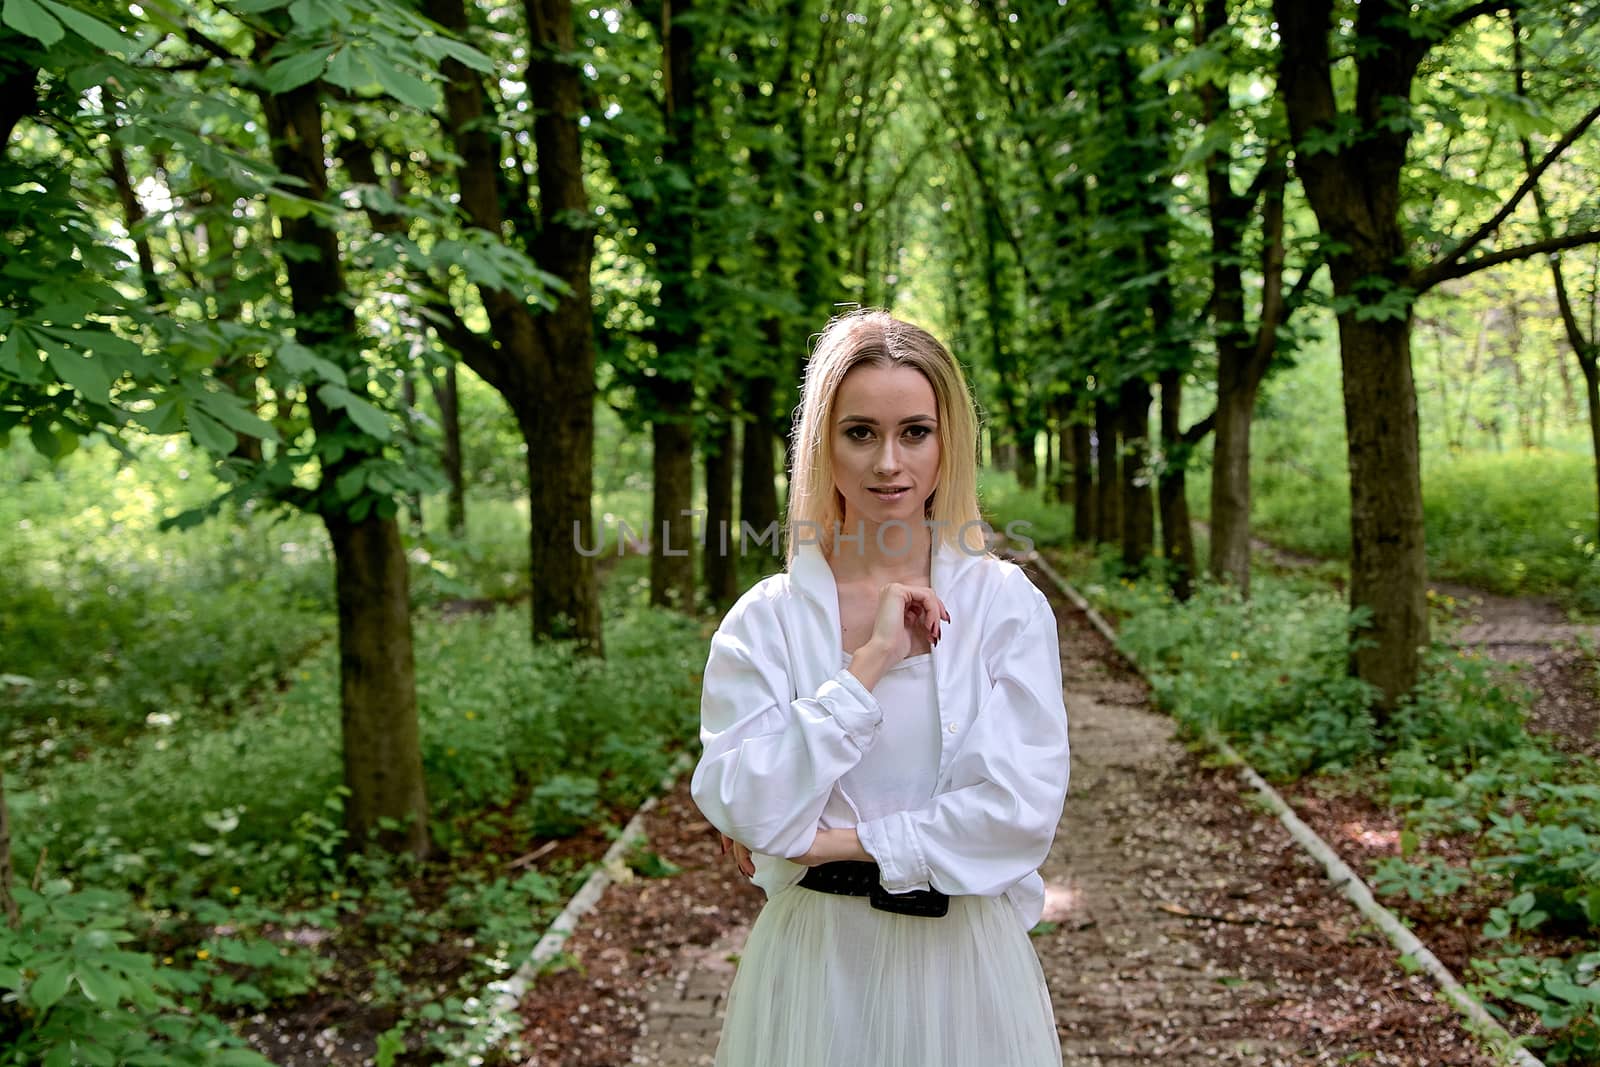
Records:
x=1496, y=826
x=185, y=881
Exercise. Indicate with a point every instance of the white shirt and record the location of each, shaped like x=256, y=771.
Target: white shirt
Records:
x=900, y=770
x=783, y=724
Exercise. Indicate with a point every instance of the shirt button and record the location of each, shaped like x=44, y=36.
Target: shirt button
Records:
x=954, y=727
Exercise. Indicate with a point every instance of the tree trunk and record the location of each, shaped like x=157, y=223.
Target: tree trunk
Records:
x=1052, y=462
x=1177, y=535
x=1108, y=479
x=408, y=412
x=377, y=684
x=1388, y=567
x=758, y=489
x=671, y=498
x=1591, y=382
x=677, y=332
x=132, y=209
x=1083, y=494
x=1230, y=486
x=447, y=396
x=719, y=564
x=1027, y=458
x=378, y=704
x=19, y=96
x=1138, y=513
x=1355, y=192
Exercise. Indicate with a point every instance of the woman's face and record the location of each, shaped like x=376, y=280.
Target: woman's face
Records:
x=885, y=437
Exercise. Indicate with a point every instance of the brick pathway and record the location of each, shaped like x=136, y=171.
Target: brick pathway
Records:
x=684, y=1008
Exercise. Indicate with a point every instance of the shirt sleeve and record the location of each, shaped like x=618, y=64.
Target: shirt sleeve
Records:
x=770, y=762
x=1007, y=785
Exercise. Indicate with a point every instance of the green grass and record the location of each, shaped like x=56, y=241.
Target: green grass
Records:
x=1514, y=522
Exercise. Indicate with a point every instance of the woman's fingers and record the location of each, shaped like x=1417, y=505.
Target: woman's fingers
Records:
x=741, y=856
x=919, y=606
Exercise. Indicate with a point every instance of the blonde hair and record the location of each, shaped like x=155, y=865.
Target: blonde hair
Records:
x=873, y=337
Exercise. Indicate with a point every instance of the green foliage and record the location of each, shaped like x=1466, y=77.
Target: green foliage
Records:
x=1429, y=879
x=1550, y=852
x=1563, y=993
x=81, y=996
x=1268, y=673
x=110, y=628
x=563, y=804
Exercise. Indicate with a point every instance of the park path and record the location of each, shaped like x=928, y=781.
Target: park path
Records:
x=1183, y=926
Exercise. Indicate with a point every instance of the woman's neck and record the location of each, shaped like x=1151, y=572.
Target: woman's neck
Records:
x=882, y=552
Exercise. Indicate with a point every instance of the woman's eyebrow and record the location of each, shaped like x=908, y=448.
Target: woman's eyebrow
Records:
x=870, y=421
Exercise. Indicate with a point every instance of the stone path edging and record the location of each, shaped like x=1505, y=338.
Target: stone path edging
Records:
x=495, y=1013
x=1348, y=882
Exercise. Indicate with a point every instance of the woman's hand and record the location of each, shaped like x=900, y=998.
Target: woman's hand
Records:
x=741, y=855
x=902, y=610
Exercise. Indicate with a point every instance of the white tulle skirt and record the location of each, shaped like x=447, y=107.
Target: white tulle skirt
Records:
x=827, y=981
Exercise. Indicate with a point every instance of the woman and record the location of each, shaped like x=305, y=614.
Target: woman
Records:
x=885, y=739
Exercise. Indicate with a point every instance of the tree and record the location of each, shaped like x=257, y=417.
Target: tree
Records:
x=1350, y=152
x=541, y=363
x=377, y=677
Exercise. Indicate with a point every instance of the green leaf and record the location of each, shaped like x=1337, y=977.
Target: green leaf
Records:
x=366, y=415
x=314, y=15
x=297, y=70
x=51, y=985
x=406, y=87
x=31, y=20
x=349, y=70
x=165, y=417
x=350, y=482
x=86, y=374
x=232, y=413
x=297, y=359
x=89, y=28
x=210, y=434
x=436, y=47
x=99, y=986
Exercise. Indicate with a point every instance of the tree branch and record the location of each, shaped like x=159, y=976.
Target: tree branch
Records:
x=1197, y=433
x=1422, y=281
x=1477, y=236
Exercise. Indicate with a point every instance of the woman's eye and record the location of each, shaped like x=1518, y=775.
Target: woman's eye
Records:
x=917, y=433
x=857, y=433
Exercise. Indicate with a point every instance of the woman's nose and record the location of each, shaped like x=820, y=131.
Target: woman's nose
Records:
x=888, y=459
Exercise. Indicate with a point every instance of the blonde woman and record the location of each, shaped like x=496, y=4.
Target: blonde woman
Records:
x=885, y=740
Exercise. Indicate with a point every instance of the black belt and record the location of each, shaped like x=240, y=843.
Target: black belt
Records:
x=859, y=878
